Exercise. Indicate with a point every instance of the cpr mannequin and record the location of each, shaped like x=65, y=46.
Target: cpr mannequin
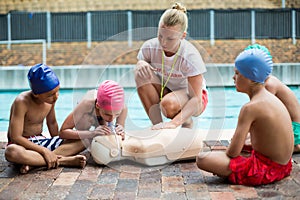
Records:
x=148, y=147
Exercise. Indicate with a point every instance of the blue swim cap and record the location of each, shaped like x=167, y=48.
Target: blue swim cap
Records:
x=255, y=64
x=42, y=79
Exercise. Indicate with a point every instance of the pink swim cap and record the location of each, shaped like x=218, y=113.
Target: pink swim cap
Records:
x=110, y=96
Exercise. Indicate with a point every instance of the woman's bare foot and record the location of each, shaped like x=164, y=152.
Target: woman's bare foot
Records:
x=25, y=169
x=72, y=161
x=188, y=123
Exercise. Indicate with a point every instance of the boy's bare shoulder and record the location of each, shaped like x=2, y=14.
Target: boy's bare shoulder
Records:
x=23, y=98
x=259, y=105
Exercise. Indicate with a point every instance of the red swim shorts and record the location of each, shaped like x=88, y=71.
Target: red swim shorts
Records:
x=204, y=99
x=257, y=170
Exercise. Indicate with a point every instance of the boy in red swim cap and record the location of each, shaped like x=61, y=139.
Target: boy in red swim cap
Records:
x=97, y=114
x=26, y=144
x=271, y=136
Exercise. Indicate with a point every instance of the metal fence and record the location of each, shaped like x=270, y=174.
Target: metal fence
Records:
x=102, y=25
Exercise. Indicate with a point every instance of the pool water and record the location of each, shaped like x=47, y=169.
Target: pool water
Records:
x=221, y=112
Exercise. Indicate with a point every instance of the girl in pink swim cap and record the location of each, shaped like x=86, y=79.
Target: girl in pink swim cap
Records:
x=110, y=96
x=100, y=113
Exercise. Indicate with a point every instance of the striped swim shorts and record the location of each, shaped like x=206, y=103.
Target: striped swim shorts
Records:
x=49, y=143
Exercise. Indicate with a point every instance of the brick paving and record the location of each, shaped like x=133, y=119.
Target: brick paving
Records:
x=119, y=53
x=127, y=180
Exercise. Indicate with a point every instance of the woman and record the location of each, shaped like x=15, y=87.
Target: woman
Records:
x=169, y=72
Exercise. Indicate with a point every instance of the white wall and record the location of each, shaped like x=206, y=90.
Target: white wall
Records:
x=15, y=78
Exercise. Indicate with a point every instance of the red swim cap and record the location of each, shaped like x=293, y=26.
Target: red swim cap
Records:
x=110, y=96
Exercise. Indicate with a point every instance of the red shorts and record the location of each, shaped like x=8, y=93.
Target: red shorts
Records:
x=257, y=170
x=204, y=99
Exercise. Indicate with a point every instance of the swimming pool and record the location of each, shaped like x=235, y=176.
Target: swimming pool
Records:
x=221, y=112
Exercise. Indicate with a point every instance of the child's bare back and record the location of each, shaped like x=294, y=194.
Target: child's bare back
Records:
x=286, y=95
x=271, y=127
x=267, y=120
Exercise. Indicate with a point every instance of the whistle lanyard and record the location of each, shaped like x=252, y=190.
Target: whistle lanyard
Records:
x=163, y=85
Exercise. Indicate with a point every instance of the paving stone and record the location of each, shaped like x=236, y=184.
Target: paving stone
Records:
x=219, y=187
x=270, y=194
x=57, y=192
x=4, y=182
x=192, y=177
x=148, y=193
x=172, y=170
x=288, y=187
x=124, y=195
x=197, y=195
x=151, y=177
x=66, y=178
x=197, y=191
x=10, y=171
x=130, y=173
x=222, y=195
x=38, y=186
x=49, y=174
x=108, y=177
x=196, y=187
x=15, y=188
x=90, y=173
x=244, y=192
x=173, y=196
x=102, y=191
x=131, y=169
x=172, y=184
x=127, y=185
x=150, y=190
x=80, y=190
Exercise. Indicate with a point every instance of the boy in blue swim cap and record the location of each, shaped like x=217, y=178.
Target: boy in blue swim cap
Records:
x=287, y=96
x=267, y=121
x=26, y=144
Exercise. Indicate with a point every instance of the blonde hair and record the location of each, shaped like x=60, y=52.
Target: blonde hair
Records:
x=174, y=16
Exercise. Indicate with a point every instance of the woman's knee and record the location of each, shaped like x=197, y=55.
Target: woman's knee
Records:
x=169, y=107
x=200, y=159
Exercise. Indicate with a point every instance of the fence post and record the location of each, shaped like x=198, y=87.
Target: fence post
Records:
x=252, y=26
x=283, y=3
x=129, y=21
x=294, y=26
x=44, y=52
x=48, y=30
x=89, y=29
x=212, y=28
x=8, y=31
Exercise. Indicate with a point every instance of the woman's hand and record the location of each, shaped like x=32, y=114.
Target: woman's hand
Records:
x=164, y=125
x=144, y=69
